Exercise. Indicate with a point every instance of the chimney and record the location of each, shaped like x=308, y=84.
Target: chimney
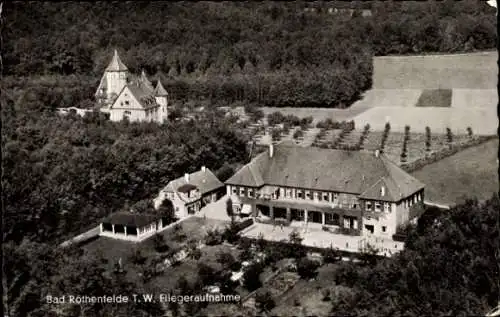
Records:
x=382, y=191
x=203, y=169
x=377, y=153
x=271, y=150
x=186, y=177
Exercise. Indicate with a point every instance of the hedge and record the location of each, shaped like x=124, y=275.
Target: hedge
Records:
x=436, y=156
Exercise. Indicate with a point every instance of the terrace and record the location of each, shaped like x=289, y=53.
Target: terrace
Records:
x=315, y=236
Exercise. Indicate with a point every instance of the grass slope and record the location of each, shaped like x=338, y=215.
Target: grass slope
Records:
x=472, y=172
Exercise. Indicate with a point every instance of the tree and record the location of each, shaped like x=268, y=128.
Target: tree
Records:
x=264, y=301
x=469, y=132
x=166, y=211
x=251, y=277
x=229, y=208
x=427, y=139
x=306, y=268
x=449, y=136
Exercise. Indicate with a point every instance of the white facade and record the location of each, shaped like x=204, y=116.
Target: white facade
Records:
x=142, y=233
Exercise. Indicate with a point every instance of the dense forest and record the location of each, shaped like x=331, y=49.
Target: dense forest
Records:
x=268, y=53
x=62, y=173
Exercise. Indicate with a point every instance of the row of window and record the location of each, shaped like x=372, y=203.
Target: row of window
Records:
x=335, y=198
x=412, y=200
x=378, y=206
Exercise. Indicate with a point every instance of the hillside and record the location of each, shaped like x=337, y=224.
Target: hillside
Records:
x=270, y=53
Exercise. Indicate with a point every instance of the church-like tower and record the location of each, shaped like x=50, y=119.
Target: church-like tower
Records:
x=161, y=96
x=112, y=82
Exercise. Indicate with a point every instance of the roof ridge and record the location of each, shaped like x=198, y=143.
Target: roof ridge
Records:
x=116, y=64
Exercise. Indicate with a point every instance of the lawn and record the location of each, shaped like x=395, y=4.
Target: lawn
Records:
x=471, y=71
x=435, y=98
x=189, y=267
x=113, y=250
x=472, y=172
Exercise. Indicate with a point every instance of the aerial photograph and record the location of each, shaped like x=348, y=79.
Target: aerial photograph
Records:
x=250, y=158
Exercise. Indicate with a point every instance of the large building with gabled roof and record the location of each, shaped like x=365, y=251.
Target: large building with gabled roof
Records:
x=357, y=192
x=124, y=95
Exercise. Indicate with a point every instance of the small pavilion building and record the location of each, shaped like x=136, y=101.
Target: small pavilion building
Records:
x=131, y=226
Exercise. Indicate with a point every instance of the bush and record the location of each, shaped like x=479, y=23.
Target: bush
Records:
x=160, y=244
x=331, y=255
x=307, y=268
x=225, y=259
x=264, y=301
x=207, y=274
x=275, y=118
x=276, y=134
x=138, y=257
x=298, y=134
x=214, y=237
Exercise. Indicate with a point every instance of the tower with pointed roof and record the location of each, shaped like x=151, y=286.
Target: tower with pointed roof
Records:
x=161, y=96
x=113, y=80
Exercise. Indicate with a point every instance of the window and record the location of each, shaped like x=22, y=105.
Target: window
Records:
x=325, y=196
x=384, y=228
x=127, y=112
x=299, y=194
x=234, y=190
x=378, y=206
x=308, y=195
x=176, y=208
x=242, y=191
x=250, y=193
x=368, y=206
x=316, y=196
x=387, y=207
x=288, y=193
x=121, y=103
x=127, y=102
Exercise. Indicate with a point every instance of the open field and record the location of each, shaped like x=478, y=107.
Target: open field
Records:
x=470, y=71
x=477, y=98
x=472, y=172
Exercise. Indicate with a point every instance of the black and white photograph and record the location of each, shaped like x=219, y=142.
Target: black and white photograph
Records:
x=250, y=158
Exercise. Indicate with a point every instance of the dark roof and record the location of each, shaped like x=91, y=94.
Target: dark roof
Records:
x=330, y=170
x=116, y=64
x=131, y=219
x=142, y=94
x=186, y=188
x=205, y=181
